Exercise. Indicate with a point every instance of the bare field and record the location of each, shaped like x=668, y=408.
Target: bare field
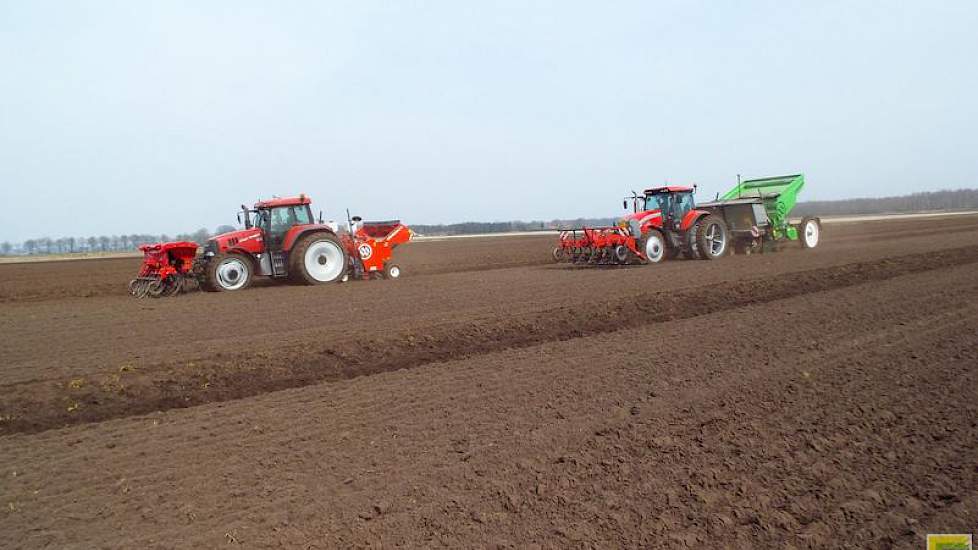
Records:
x=804, y=399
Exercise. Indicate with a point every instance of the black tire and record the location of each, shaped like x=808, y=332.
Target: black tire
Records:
x=650, y=255
x=333, y=254
x=809, y=232
x=712, y=238
x=227, y=273
x=392, y=271
x=558, y=254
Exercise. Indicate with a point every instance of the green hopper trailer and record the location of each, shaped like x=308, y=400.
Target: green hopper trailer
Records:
x=757, y=213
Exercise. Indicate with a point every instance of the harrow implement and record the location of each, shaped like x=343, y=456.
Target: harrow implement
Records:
x=597, y=246
x=168, y=269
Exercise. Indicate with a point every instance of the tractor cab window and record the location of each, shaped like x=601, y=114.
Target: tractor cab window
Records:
x=284, y=217
x=261, y=218
x=684, y=202
x=659, y=201
x=302, y=214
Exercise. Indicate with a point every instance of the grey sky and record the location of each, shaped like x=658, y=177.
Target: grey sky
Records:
x=150, y=117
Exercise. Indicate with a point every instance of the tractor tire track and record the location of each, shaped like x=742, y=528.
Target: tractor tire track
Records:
x=39, y=406
x=675, y=434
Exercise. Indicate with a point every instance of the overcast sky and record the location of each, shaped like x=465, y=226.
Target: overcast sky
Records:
x=152, y=117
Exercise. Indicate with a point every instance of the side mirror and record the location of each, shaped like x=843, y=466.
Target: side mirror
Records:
x=320, y=217
x=624, y=204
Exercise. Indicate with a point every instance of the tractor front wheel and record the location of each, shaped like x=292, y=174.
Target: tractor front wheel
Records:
x=226, y=272
x=653, y=245
x=317, y=259
x=711, y=237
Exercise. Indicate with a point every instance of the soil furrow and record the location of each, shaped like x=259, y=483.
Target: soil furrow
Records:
x=830, y=419
x=30, y=408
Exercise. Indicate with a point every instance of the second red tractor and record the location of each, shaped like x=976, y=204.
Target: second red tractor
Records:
x=664, y=222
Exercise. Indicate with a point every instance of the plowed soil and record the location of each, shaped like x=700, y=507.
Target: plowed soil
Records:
x=804, y=399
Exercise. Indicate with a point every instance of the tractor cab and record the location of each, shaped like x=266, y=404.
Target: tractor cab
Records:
x=275, y=217
x=666, y=208
x=674, y=203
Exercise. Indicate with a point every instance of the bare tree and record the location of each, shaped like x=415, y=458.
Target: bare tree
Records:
x=200, y=236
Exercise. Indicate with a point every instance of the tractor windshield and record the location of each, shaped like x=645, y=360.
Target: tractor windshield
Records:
x=673, y=205
x=658, y=201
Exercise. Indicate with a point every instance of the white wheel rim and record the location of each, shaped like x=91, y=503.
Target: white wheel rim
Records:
x=324, y=261
x=811, y=234
x=654, y=249
x=232, y=274
x=716, y=240
x=395, y=272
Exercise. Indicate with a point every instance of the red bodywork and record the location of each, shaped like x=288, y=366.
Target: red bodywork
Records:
x=371, y=243
x=284, y=201
x=595, y=243
x=169, y=268
x=161, y=260
x=374, y=242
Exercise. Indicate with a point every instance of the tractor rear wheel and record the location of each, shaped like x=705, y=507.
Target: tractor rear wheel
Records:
x=317, y=259
x=711, y=237
x=227, y=272
x=653, y=245
x=809, y=232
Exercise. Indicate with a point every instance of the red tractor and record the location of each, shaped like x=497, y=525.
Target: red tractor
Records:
x=664, y=223
x=280, y=240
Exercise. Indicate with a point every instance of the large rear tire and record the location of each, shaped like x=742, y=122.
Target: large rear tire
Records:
x=809, y=232
x=317, y=259
x=227, y=272
x=711, y=237
x=653, y=245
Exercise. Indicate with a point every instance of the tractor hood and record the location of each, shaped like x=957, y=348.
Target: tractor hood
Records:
x=638, y=223
x=642, y=217
x=231, y=239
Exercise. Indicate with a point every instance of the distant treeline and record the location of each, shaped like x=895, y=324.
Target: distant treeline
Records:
x=101, y=243
x=961, y=199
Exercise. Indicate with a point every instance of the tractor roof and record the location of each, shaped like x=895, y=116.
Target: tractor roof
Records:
x=284, y=201
x=667, y=189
